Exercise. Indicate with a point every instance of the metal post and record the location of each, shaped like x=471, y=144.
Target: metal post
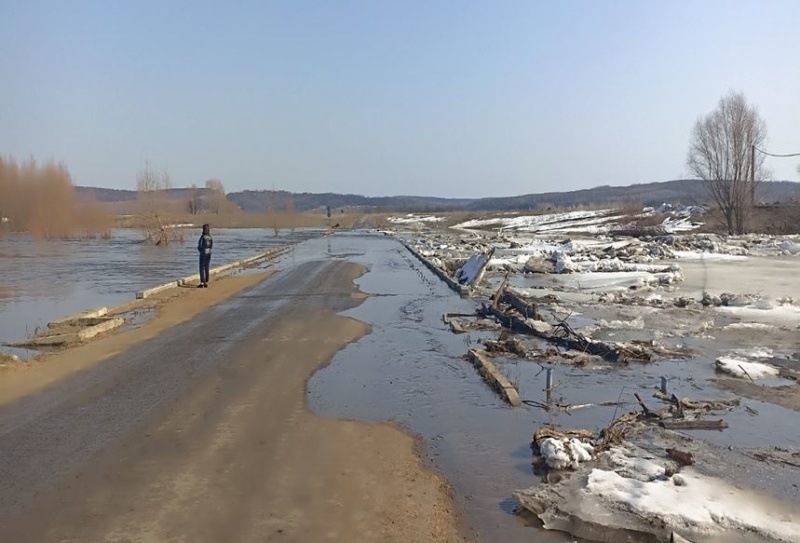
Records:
x=549, y=385
x=663, y=384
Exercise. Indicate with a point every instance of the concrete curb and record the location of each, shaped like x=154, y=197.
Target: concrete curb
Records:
x=272, y=253
x=454, y=285
x=88, y=314
x=97, y=322
x=72, y=337
x=496, y=380
x=244, y=262
x=142, y=294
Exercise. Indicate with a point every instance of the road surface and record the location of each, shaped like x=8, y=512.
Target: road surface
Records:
x=202, y=434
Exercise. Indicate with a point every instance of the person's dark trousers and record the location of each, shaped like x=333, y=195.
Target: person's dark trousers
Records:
x=205, y=262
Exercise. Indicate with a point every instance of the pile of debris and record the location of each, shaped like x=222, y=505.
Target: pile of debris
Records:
x=603, y=487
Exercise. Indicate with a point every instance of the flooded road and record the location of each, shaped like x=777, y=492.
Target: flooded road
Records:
x=408, y=370
x=43, y=280
x=202, y=434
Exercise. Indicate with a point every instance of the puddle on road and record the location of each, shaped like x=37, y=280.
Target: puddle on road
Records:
x=409, y=370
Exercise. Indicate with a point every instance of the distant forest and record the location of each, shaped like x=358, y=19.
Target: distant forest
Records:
x=684, y=191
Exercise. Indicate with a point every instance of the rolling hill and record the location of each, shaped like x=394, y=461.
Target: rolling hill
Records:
x=683, y=191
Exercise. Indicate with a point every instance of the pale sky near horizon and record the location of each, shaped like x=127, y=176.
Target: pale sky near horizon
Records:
x=434, y=98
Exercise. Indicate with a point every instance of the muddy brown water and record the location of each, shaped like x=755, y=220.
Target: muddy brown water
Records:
x=48, y=279
x=409, y=370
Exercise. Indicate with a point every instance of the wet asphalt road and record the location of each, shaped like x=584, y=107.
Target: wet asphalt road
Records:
x=76, y=459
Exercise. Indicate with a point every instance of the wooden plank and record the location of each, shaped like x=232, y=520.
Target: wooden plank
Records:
x=495, y=378
x=693, y=424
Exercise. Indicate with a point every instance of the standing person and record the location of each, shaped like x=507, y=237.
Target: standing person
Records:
x=204, y=245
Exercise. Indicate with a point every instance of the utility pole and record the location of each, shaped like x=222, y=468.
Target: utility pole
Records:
x=753, y=175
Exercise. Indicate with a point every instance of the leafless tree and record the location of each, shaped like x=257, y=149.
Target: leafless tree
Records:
x=152, y=188
x=193, y=202
x=216, y=196
x=720, y=153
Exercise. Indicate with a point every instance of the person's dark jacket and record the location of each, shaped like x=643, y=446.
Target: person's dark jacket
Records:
x=204, y=244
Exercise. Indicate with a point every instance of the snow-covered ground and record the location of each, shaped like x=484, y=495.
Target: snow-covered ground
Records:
x=632, y=493
x=412, y=219
x=601, y=221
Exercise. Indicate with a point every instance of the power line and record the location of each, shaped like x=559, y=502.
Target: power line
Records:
x=777, y=156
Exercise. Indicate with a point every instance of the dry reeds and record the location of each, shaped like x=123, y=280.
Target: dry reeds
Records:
x=40, y=199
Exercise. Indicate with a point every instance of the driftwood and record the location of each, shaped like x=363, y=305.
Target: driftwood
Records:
x=499, y=294
x=693, y=424
x=561, y=333
x=494, y=377
x=528, y=309
x=782, y=456
x=615, y=432
x=648, y=413
x=564, y=337
x=706, y=405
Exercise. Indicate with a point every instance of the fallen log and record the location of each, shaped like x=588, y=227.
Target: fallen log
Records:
x=693, y=424
x=518, y=324
x=499, y=294
x=528, y=309
x=707, y=405
x=648, y=413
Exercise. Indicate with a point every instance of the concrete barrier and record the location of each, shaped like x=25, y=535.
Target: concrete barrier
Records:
x=195, y=277
x=494, y=377
x=57, y=340
x=89, y=314
x=454, y=285
x=92, y=331
x=95, y=319
x=142, y=294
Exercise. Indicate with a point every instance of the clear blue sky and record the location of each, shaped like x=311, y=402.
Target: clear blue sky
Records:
x=389, y=97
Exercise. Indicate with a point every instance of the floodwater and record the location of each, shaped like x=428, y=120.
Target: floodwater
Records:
x=43, y=280
x=409, y=370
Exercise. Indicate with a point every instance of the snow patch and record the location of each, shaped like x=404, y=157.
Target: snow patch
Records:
x=414, y=219
x=565, y=453
x=701, y=505
x=738, y=367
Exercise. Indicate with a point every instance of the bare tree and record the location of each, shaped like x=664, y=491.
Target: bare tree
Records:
x=152, y=188
x=216, y=196
x=721, y=154
x=193, y=203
